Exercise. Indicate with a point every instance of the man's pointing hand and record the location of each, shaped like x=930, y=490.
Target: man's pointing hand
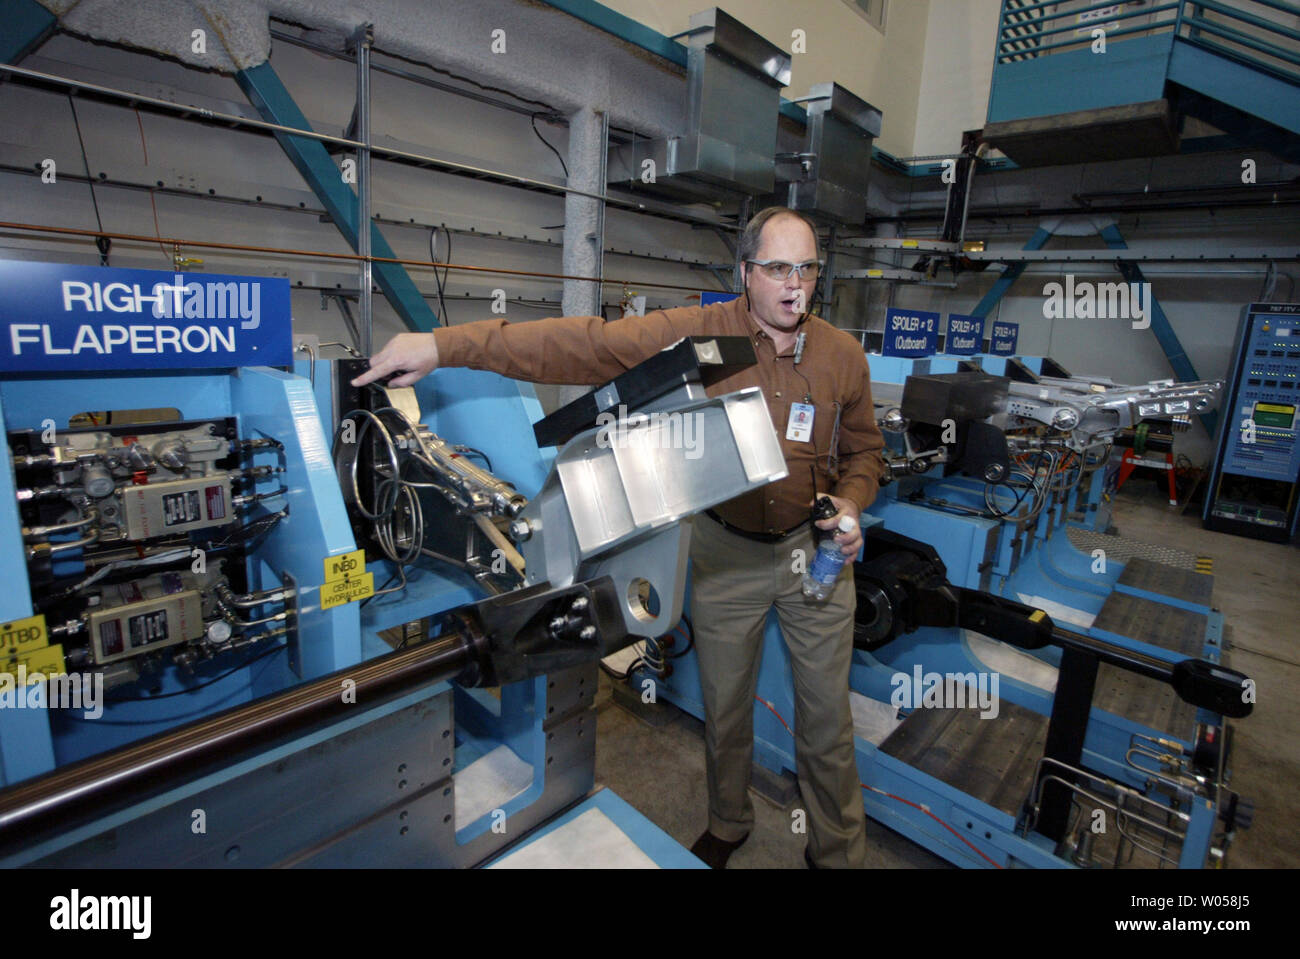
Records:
x=412, y=355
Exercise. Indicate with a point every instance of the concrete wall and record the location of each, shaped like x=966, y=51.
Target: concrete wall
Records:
x=883, y=69
x=957, y=71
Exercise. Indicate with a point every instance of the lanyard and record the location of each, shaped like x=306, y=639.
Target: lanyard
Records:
x=833, y=454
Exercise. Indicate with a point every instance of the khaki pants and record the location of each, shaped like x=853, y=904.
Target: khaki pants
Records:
x=735, y=582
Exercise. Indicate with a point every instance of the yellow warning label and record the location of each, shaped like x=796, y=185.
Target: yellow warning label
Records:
x=340, y=591
x=47, y=661
x=1037, y=616
x=909, y=244
x=875, y=272
x=22, y=636
x=351, y=564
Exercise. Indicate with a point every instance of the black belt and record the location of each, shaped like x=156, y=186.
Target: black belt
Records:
x=756, y=537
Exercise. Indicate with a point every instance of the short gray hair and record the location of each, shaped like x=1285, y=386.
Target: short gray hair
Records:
x=751, y=237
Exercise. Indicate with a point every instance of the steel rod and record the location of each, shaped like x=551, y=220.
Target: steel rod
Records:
x=87, y=789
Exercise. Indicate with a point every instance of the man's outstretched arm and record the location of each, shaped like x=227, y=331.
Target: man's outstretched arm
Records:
x=561, y=349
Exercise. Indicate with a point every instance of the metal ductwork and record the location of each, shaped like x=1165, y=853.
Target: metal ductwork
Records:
x=734, y=81
x=828, y=179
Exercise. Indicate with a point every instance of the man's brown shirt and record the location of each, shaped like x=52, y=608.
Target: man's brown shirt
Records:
x=831, y=372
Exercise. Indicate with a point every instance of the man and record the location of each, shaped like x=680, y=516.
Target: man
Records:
x=744, y=553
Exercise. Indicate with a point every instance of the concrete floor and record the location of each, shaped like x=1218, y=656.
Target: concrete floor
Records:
x=1257, y=587
x=660, y=771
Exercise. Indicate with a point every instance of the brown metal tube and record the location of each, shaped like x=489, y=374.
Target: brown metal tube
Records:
x=323, y=254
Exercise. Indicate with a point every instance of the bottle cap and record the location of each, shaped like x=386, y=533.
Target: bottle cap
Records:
x=846, y=524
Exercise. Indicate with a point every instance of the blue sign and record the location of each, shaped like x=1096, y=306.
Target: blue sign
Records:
x=1002, y=341
x=965, y=334
x=57, y=317
x=712, y=296
x=911, y=333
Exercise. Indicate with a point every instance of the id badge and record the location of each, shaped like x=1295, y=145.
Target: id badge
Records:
x=800, y=426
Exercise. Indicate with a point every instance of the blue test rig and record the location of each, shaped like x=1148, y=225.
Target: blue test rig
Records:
x=1105, y=740
x=257, y=616
x=1254, y=487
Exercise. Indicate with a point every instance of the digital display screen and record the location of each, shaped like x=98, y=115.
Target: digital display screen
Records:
x=1274, y=414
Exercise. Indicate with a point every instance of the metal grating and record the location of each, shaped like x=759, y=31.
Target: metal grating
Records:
x=1165, y=580
x=1147, y=621
x=1147, y=701
x=992, y=759
x=1122, y=550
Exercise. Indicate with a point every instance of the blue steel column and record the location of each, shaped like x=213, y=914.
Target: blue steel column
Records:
x=23, y=25
x=1013, y=271
x=1160, y=325
x=264, y=90
x=364, y=37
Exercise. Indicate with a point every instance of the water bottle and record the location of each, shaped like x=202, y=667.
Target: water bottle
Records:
x=819, y=578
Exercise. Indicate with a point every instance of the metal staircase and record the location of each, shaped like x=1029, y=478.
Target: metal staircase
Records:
x=1077, y=81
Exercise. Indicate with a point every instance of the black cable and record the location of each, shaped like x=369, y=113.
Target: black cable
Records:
x=250, y=531
x=533, y=121
x=690, y=639
x=102, y=243
x=48, y=601
x=997, y=512
x=440, y=280
x=216, y=679
x=623, y=677
x=380, y=591
x=470, y=449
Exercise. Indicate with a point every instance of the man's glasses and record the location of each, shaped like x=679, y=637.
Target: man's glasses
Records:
x=781, y=271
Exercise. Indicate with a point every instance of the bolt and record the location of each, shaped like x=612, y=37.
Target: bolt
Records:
x=587, y=633
x=579, y=604
x=520, y=531
x=557, y=624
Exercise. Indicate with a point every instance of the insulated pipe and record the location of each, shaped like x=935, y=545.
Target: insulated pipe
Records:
x=584, y=220
x=86, y=790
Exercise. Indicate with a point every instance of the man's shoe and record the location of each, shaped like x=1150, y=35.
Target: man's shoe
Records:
x=715, y=852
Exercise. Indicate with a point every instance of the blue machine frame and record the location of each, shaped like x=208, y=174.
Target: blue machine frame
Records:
x=1034, y=561
x=539, y=722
